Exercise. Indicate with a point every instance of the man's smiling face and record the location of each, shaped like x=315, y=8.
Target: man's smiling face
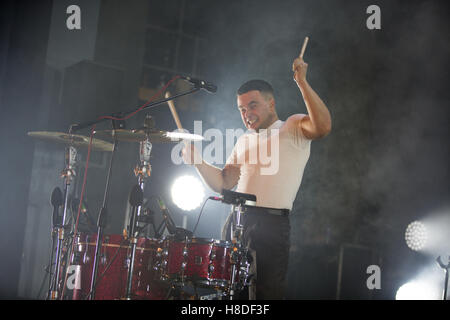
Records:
x=257, y=109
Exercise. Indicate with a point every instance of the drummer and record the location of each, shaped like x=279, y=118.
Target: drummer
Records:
x=266, y=226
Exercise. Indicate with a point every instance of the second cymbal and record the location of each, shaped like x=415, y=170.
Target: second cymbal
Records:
x=75, y=140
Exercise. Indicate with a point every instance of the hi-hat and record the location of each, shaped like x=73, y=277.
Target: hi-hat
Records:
x=155, y=136
x=74, y=140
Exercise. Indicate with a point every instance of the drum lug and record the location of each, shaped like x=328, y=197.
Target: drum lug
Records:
x=86, y=258
x=198, y=260
x=103, y=259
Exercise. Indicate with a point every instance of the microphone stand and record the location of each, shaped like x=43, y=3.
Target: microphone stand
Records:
x=102, y=218
x=76, y=127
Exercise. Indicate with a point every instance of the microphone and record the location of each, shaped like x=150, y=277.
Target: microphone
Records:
x=136, y=196
x=211, y=88
x=84, y=210
x=57, y=201
x=169, y=222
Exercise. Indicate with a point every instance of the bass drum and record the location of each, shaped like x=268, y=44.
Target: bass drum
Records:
x=113, y=265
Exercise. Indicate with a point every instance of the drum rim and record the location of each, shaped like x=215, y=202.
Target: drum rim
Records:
x=207, y=282
x=201, y=240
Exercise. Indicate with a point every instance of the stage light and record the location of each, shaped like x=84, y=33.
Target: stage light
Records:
x=416, y=236
x=417, y=290
x=187, y=192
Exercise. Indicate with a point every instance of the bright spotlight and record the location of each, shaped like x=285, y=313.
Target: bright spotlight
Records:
x=416, y=290
x=188, y=192
x=416, y=235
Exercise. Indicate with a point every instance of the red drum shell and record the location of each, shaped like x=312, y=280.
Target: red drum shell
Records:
x=201, y=261
x=115, y=250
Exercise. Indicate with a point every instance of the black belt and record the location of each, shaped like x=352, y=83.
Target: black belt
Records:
x=272, y=211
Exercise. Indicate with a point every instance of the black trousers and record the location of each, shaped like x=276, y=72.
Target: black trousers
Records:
x=267, y=238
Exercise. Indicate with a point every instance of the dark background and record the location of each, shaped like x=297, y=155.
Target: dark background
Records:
x=385, y=163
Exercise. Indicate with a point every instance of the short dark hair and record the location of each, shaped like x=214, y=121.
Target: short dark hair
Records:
x=256, y=84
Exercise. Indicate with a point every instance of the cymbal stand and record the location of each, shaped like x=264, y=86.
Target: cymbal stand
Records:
x=68, y=173
x=236, y=239
x=141, y=171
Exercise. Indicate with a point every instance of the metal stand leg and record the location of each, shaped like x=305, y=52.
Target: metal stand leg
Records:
x=236, y=254
x=101, y=223
x=136, y=197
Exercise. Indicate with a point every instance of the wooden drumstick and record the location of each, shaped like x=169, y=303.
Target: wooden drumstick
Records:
x=175, y=116
x=174, y=112
x=305, y=42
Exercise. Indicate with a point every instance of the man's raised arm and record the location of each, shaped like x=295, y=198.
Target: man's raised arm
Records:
x=317, y=124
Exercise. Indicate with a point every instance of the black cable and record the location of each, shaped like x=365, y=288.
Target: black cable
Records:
x=199, y=216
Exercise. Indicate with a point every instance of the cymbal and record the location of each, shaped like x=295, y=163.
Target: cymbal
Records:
x=155, y=136
x=75, y=140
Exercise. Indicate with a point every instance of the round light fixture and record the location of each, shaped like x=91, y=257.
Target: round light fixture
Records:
x=188, y=192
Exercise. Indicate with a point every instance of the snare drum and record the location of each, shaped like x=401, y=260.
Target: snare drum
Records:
x=200, y=261
x=113, y=268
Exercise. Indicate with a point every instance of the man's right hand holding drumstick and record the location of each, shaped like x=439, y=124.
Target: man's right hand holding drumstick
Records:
x=317, y=123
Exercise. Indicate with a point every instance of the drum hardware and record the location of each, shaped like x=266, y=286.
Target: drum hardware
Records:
x=114, y=117
x=136, y=198
x=219, y=295
x=141, y=171
x=147, y=218
x=77, y=260
x=68, y=173
x=73, y=140
x=239, y=252
x=57, y=201
x=59, y=222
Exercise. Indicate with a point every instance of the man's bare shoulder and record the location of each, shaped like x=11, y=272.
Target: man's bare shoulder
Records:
x=293, y=122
